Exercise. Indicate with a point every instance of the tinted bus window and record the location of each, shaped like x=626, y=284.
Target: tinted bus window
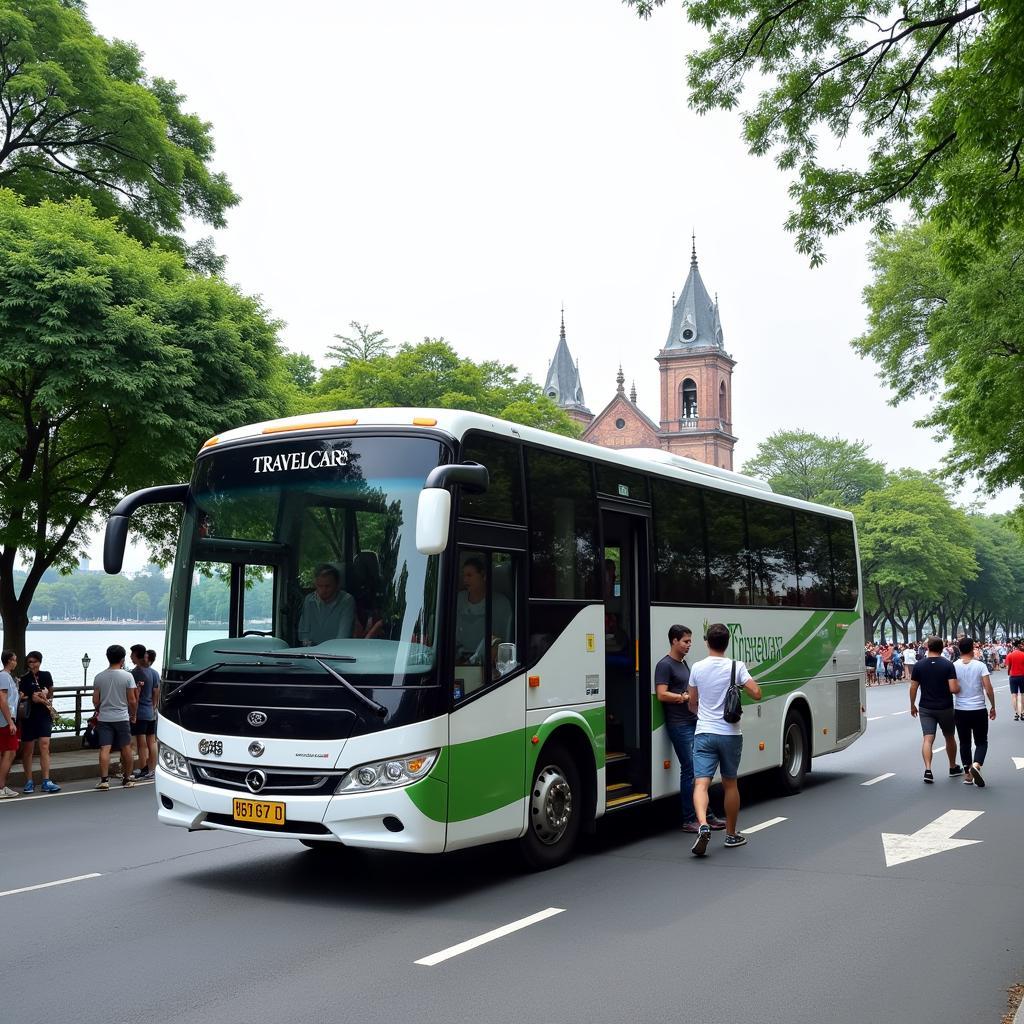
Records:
x=844, y=563
x=621, y=483
x=680, y=562
x=815, y=561
x=502, y=502
x=563, y=528
x=772, y=553
x=728, y=570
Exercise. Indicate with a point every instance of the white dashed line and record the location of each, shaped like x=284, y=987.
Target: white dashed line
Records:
x=763, y=825
x=31, y=798
x=895, y=713
x=878, y=778
x=875, y=718
x=480, y=940
x=47, y=885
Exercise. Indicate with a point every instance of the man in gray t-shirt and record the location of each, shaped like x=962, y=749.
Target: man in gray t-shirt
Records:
x=115, y=697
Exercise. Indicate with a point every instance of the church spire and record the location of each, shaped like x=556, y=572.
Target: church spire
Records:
x=632, y=393
x=620, y=381
x=562, y=384
x=696, y=323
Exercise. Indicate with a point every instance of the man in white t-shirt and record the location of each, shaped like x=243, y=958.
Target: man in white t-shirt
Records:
x=717, y=744
x=969, y=711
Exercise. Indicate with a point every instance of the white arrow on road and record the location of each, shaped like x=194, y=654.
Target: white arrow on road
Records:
x=1018, y=762
x=935, y=837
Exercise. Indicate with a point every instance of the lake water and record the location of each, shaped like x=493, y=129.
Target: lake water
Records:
x=62, y=650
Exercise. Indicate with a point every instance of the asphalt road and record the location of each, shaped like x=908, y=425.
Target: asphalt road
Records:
x=806, y=923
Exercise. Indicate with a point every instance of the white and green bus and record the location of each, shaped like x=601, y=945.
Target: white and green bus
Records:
x=464, y=622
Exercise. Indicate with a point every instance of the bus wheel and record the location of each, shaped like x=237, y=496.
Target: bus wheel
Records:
x=796, y=754
x=555, y=807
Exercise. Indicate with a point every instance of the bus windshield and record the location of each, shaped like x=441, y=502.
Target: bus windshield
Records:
x=308, y=545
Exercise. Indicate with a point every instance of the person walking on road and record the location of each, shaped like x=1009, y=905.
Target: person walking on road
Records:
x=115, y=697
x=936, y=678
x=36, y=687
x=144, y=727
x=971, y=720
x=9, y=738
x=1015, y=670
x=671, y=686
x=717, y=744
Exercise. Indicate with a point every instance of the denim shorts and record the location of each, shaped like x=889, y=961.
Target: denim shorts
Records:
x=711, y=751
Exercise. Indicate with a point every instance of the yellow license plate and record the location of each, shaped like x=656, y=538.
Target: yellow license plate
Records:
x=261, y=812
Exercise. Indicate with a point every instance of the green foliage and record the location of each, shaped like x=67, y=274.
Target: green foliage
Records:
x=116, y=363
x=300, y=369
x=932, y=87
x=361, y=345
x=829, y=470
x=79, y=116
x=946, y=323
x=433, y=375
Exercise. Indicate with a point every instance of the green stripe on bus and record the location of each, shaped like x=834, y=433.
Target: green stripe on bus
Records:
x=799, y=637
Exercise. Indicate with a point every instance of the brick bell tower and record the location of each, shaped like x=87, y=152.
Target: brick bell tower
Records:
x=696, y=378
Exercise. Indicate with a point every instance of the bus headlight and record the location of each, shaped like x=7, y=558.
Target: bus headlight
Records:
x=390, y=774
x=174, y=763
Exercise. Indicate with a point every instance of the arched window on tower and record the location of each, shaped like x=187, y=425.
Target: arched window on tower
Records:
x=722, y=403
x=688, y=399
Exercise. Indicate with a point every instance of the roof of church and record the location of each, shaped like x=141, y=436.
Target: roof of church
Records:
x=695, y=319
x=562, y=384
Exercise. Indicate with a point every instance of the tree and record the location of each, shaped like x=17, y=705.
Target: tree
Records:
x=932, y=87
x=79, y=116
x=301, y=369
x=829, y=470
x=141, y=602
x=116, y=364
x=433, y=374
x=362, y=345
x=946, y=322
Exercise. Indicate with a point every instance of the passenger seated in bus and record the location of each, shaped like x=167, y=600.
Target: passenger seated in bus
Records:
x=470, y=611
x=329, y=613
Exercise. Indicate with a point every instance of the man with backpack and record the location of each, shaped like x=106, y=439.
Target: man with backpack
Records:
x=718, y=743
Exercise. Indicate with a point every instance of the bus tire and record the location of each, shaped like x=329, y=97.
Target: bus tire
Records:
x=796, y=754
x=555, y=810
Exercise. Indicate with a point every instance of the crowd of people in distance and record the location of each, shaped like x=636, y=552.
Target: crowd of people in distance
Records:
x=125, y=704
x=890, y=662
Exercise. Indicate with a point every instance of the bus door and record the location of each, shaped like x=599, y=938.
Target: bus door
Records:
x=627, y=655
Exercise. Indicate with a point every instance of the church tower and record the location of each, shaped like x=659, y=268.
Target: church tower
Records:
x=562, y=384
x=696, y=378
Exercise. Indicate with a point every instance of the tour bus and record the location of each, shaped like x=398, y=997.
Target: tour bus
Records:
x=465, y=619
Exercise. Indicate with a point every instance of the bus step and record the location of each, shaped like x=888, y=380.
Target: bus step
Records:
x=622, y=801
x=615, y=757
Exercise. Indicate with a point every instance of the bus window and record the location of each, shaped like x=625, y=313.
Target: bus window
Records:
x=844, y=563
x=564, y=560
x=772, y=553
x=502, y=502
x=815, y=561
x=210, y=605
x=680, y=561
x=728, y=570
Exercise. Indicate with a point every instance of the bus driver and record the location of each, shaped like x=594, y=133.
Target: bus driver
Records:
x=328, y=612
x=469, y=614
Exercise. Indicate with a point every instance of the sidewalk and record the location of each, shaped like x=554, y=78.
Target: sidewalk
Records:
x=69, y=761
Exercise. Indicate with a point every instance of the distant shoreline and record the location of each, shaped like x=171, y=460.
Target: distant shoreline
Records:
x=42, y=627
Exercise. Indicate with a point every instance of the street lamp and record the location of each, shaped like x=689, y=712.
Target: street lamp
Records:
x=85, y=669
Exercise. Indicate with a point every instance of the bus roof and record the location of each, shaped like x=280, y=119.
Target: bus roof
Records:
x=458, y=423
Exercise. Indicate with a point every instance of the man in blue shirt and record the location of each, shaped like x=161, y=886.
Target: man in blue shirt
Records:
x=144, y=727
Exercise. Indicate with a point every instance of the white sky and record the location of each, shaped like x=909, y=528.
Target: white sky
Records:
x=458, y=168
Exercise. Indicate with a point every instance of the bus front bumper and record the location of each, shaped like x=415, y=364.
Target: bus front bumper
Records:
x=387, y=819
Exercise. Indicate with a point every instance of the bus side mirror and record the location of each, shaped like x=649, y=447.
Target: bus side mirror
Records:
x=117, y=525
x=433, y=519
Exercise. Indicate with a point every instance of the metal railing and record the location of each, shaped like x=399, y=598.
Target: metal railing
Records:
x=72, y=703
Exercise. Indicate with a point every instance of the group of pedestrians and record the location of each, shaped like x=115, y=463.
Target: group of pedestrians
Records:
x=27, y=717
x=953, y=698
x=694, y=702
x=891, y=662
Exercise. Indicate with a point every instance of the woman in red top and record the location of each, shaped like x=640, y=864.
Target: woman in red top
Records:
x=1015, y=670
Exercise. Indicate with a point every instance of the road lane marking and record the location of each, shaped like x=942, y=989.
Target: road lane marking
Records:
x=1018, y=762
x=895, y=713
x=879, y=778
x=935, y=837
x=480, y=940
x=763, y=825
x=875, y=718
x=33, y=797
x=47, y=885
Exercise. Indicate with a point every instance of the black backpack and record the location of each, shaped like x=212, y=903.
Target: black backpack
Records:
x=733, y=709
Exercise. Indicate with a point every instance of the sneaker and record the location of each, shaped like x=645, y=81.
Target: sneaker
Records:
x=103, y=784
x=715, y=823
x=30, y=787
x=149, y=776
x=138, y=773
x=691, y=826
x=50, y=787
x=979, y=779
x=127, y=783
x=968, y=781
x=928, y=777
x=700, y=847
x=1016, y=718
x=6, y=794
x=955, y=771
x=736, y=840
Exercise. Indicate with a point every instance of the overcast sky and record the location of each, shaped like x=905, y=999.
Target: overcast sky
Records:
x=462, y=169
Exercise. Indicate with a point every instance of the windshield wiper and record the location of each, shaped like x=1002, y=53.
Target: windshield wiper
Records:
x=321, y=660
x=173, y=695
